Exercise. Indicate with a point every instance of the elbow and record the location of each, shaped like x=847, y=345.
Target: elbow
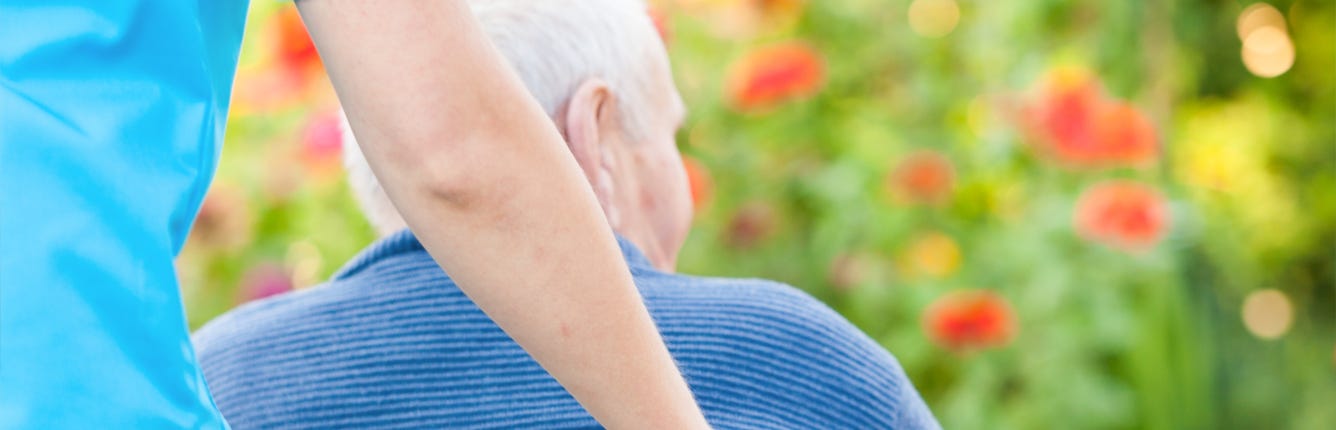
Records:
x=456, y=168
x=453, y=182
x=451, y=175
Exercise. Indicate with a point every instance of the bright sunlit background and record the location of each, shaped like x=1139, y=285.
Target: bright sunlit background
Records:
x=1056, y=214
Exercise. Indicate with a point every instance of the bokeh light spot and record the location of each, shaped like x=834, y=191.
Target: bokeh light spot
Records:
x=1268, y=52
x=933, y=18
x=306, y=263
x=1259, y=15
x=1267, y=313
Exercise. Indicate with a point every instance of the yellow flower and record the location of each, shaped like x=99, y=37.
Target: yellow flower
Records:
x=1222, y=152
x=931, y=254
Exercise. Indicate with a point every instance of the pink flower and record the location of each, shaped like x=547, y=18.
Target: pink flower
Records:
x=322, y=144
x=323, y=136
x=263, y=281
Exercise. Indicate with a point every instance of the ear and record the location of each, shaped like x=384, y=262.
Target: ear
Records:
x=587, y=112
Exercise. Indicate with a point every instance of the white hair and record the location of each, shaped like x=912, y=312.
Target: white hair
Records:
x=554, y=46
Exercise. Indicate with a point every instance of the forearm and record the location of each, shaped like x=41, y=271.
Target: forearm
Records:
x=482, y=177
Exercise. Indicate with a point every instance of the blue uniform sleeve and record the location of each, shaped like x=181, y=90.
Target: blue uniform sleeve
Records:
x=111, y=115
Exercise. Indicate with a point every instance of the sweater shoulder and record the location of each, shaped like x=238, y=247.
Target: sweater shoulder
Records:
x=784, y=352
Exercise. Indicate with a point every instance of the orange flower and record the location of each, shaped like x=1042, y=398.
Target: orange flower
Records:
x=970, y=320
x=296, y=54
x=923, y=177
x=775, y=74
x=702, y=185
x=290, y=73
x=1123, y=214
x=1125, y=136
x=1072, y=122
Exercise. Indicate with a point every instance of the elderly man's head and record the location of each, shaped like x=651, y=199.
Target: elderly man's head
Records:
x=600, y=71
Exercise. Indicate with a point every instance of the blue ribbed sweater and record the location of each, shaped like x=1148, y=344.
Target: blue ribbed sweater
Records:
x=391, y=342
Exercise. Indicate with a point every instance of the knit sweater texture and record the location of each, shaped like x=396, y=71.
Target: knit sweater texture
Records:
x=391, y=342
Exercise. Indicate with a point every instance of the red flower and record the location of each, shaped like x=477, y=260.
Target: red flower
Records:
x=293, y=46
x=752, y=223
x=1122, y=214
x=702, y=185
x=923, y=177
x=1062, y=117
x=1071, y=121
x=263, y=281
x=775, y=74
x=970, y=320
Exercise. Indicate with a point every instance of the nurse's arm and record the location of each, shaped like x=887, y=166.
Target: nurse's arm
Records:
x=483, y=178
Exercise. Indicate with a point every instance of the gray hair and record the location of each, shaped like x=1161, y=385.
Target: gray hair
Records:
x=554, y=46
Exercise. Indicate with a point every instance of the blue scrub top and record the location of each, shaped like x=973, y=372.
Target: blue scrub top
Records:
x=111, y=119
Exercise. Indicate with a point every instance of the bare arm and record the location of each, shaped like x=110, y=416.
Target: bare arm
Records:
x=482, y=177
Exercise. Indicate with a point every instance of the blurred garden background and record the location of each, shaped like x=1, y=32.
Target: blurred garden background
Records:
x=1056, y=214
